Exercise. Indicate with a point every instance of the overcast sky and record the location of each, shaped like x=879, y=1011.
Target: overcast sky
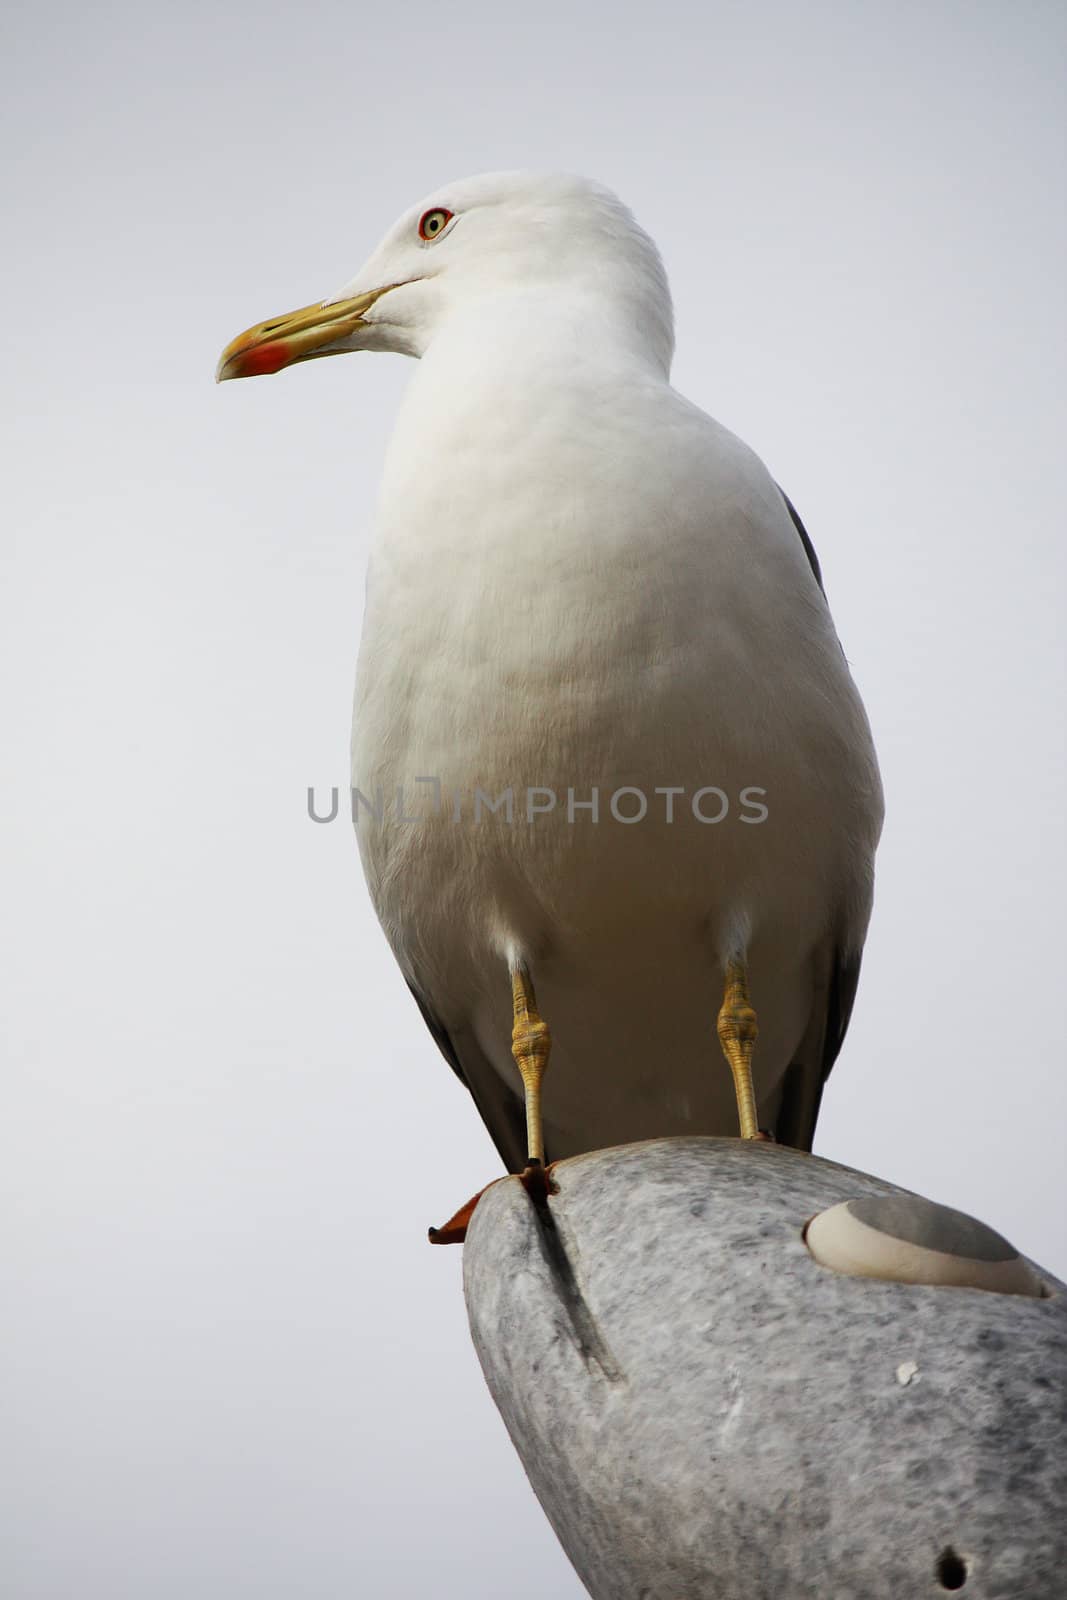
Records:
x=235, y=1366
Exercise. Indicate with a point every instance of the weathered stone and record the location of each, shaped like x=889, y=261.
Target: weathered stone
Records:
x=706, y=1413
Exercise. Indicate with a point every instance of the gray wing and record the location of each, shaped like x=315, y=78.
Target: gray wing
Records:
x=805, y=537
x=802, y=1086
x=500, y=1107
x=798, y=1108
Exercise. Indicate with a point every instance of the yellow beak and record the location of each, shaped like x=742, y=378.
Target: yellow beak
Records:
x=299, y=336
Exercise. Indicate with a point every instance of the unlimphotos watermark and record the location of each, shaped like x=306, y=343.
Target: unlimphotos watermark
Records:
x=426, y=797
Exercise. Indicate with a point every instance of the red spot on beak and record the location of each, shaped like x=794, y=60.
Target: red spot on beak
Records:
x=264, y=359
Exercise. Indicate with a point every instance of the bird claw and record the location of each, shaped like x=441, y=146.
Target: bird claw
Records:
x=536, y=1179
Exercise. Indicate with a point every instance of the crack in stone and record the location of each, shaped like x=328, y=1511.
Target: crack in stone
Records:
x=591, y=1343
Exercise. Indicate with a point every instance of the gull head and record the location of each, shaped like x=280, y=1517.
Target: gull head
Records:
x=546, y=236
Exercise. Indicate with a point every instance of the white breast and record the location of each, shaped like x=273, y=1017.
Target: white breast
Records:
x=588, y=584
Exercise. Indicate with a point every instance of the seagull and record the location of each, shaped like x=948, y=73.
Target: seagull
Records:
x=606, y=741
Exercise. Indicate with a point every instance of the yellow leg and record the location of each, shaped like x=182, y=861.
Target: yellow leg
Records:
x=530, y=1045
x=737, y=1034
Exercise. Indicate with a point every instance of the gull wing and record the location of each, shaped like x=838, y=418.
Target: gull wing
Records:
x=802, y=1086
x=500, y=1107
x=805, y=537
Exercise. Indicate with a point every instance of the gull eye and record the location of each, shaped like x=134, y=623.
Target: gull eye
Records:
x=431, y=223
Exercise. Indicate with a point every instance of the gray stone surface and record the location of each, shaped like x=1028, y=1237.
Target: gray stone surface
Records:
x=705, y=1411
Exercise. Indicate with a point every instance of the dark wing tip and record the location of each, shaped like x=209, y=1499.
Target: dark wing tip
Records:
x=804, y=1081
x=499, y=1106
x=805, y=538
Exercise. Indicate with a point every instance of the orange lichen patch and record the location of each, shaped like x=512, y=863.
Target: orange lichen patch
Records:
x=536, y=1180
x=454, y=1231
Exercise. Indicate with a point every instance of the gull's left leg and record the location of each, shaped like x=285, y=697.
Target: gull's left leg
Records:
x=737, y=1030
x=531, y=1043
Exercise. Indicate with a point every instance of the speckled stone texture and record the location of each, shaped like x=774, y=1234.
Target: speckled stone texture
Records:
x=704, y=1411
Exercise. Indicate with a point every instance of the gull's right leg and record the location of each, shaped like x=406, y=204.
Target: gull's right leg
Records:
x=737, y=1030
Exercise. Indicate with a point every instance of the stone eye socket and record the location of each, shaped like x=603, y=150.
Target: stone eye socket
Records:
x=434, y=222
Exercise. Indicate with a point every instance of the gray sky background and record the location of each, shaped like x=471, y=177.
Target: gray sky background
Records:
x=234, y=1366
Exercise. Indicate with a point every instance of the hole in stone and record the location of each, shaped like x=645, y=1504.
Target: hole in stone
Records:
x=951, y=1569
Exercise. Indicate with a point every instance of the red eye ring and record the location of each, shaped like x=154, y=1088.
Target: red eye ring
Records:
x=433, y=223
